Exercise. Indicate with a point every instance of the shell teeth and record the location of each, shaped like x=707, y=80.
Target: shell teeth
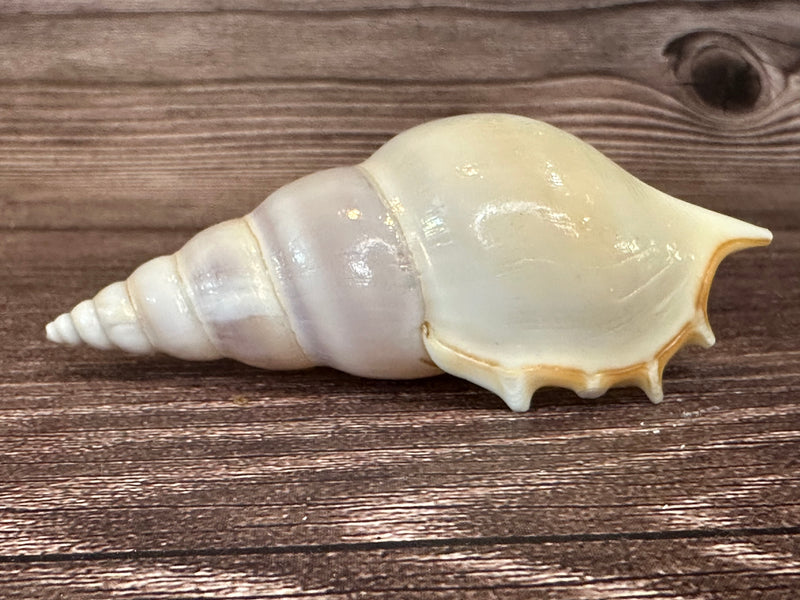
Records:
x=702, y=335
x=516, y=391
x=594, y=388
x=651, y=383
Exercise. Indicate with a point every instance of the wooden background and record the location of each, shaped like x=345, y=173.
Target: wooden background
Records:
x=126, y=126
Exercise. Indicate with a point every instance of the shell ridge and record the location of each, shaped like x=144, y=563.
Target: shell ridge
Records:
x=180, y=273
x=137, y=310
x=119, y=320
x=264, y=252
x=89, y=327
x=392, y=209
x=62, y=331
x=104, y=328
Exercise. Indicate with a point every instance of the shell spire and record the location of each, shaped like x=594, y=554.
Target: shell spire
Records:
x=214, y=297
x=106, y=322
x=269, y=290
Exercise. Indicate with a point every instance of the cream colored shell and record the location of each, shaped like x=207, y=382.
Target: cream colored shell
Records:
x=518, y=256
x=542, y=262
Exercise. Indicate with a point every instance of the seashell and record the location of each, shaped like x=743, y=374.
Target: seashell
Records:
x=493, y=247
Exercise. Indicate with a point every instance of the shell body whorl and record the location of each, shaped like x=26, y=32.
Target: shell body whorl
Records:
x=493, y=247
x=545, y=263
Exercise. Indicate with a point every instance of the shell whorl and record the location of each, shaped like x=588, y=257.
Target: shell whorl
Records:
x=318, y=274
x=580, y=275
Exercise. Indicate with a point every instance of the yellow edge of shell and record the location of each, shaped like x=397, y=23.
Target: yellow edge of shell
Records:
x=516, y=386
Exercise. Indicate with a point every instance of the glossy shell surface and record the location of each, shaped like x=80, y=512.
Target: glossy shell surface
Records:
x=493, y=247
x=542, y=262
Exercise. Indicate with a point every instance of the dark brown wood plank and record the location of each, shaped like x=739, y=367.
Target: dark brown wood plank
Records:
x=96, y=131
x=182, y=157
x=438, y=43
x=54, y=7
x=764, y=566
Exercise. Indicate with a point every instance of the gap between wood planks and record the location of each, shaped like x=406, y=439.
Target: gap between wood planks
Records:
x=686, y=534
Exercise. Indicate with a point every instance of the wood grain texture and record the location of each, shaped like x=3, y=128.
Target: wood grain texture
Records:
x=763, y=566
x=125, y=126
x=189, y=118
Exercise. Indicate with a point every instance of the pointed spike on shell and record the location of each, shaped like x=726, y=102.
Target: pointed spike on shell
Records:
x=516, y=391
x=594, y=387
x=651, y=383
x=701, y=333
x=515, y=387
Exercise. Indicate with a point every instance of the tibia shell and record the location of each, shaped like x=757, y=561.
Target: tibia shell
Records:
x=493, y=247
x=544, y=263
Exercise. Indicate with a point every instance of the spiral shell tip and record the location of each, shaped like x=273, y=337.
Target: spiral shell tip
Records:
x=61, y=330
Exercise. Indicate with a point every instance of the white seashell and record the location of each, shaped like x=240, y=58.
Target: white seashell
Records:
x=493, y=247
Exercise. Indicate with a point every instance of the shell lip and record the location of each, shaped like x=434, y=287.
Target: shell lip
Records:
x=517, y=385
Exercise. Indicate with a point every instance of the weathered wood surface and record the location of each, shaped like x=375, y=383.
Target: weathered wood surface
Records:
x=172, y=119
x=125, y=126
